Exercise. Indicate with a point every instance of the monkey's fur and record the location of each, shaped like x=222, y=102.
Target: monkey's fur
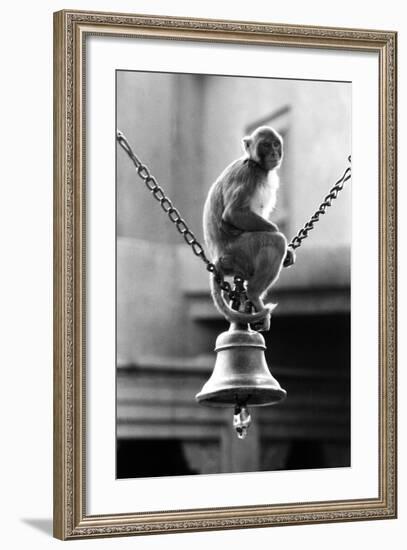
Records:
x=240, y=238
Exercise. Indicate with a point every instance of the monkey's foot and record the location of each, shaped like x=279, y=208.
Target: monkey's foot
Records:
x=263, y=325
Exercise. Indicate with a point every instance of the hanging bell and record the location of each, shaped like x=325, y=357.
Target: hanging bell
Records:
x=241, y=377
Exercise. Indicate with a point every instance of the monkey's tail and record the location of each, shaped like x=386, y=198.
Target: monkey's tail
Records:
x=232, y=315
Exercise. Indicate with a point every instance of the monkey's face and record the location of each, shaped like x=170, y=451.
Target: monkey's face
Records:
x=265, y=146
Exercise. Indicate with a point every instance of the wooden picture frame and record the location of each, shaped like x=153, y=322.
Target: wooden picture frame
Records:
x=71, y=30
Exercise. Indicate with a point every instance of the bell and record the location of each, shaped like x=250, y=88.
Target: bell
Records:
x=241, y=376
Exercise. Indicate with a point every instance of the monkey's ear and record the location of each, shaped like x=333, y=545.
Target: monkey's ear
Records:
x=246, y=143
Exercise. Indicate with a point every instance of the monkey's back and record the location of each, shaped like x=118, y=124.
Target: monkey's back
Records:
x=212, y=219
x=217, y=233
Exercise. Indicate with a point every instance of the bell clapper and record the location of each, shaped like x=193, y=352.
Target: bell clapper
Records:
x=241, y=421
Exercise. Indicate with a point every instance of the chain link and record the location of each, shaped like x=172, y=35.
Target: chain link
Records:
x=172, y=212
x=182, y=227
x=326, y=203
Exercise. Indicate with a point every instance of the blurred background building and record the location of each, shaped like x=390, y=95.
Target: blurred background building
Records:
x=187, y=128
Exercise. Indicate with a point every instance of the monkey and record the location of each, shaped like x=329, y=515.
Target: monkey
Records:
x=240, y=238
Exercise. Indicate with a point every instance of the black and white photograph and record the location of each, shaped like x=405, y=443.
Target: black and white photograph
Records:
x=233, y=274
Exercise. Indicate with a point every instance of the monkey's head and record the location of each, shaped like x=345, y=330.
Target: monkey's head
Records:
x=264, y=146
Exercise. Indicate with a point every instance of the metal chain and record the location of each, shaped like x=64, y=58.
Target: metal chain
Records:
x=333, y=193
x=173, y=214
x=189, y=237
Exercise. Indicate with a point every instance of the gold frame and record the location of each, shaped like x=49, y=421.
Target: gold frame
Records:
x=70, y=31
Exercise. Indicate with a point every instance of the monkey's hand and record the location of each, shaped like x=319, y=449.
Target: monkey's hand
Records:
x=290, y=258
x=230, y=229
